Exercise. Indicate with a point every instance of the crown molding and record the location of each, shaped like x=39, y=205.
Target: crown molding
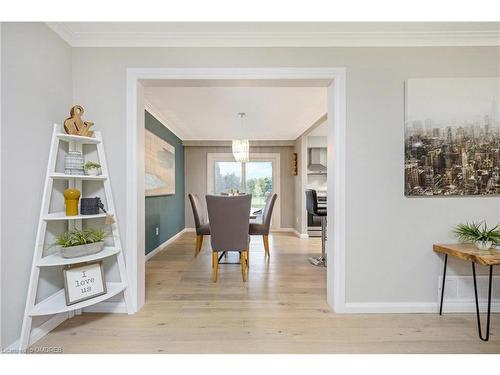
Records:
x=157, y=115
x=277, y=39
x=63, y=31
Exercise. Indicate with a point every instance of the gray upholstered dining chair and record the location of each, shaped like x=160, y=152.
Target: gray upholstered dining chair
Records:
x=262, y=229
x=229, y=219
x=202, y=228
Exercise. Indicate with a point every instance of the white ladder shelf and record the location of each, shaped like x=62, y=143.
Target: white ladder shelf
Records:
x=56, y=303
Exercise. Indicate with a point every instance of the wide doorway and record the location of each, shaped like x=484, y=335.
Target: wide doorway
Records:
x=260, y=175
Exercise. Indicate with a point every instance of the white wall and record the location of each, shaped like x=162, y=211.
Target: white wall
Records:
x=389, y=237
x=300, y=183
x=388, y=247
x=317, y=141
x=36, y=93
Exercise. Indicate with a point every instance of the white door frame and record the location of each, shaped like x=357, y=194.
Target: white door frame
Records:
x=212, y=157
x=336, y=165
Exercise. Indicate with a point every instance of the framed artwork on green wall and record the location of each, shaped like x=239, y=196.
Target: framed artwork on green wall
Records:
x=159, y=166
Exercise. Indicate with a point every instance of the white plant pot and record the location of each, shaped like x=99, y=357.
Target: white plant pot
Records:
x=82, y=250
x=93, y=172
x=483, y=245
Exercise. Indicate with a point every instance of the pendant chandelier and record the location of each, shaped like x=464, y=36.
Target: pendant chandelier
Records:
x=241, y=147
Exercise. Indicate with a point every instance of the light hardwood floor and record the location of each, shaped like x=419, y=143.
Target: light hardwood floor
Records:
x=281, y=309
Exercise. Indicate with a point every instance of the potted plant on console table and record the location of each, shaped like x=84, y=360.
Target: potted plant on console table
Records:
x=479, y=234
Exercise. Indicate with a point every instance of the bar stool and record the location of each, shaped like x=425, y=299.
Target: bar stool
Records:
x=312, y=208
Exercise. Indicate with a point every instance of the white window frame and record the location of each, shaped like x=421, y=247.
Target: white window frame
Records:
x=272, y=157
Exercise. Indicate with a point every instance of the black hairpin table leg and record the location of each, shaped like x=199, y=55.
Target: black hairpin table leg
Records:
x=442, y=288
x=487, y=337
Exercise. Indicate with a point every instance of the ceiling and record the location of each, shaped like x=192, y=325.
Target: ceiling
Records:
x=277, y=34
x=211, y=112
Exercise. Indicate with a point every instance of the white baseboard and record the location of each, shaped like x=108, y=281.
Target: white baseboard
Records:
x=291, y=230
x=277, y=230
x=39, y=332
x=470, y=306
x=388, y=307
x=115, y=307
x=156, y=250
x=301, y=235
x=467, y=306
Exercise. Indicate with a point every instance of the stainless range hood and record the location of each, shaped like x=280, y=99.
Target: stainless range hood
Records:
x=317, y=157
x=316, y=169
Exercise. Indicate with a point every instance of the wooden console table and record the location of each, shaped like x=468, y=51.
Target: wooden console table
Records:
x=470, y=253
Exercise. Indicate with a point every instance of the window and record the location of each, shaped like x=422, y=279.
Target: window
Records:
x=258, y=181
x=227, y=176
x=259, y=177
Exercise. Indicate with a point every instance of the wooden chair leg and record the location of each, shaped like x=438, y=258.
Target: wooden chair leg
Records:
x=199, y=242
x=265, y=238
x=244, y=267
x=248, y=259
x=215, y=265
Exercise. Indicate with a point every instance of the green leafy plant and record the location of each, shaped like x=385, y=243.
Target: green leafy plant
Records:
x=91, y=165
x=78, y=237
x=477, y=232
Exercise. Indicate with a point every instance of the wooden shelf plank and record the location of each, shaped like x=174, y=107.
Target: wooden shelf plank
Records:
x=78, y=138
x=470, y=253
x=56, y=303
x=57, y=260
x=62, y=216
x=63, y=176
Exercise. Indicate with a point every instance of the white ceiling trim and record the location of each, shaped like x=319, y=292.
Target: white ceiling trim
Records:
x=276, y=39
x=157, y=114
x=63, y=31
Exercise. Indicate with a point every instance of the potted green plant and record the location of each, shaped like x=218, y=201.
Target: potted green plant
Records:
x=77, y=242
x=92, y=168
x=479, y=234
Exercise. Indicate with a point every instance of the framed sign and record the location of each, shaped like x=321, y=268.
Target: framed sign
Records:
x=82, y=282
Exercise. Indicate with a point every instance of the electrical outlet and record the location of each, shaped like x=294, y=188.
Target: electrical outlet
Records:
x=157, y=231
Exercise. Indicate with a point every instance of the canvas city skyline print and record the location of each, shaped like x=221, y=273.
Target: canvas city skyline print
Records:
x=452, y=137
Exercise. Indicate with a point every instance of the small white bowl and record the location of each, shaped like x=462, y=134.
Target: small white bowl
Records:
x=93, y=172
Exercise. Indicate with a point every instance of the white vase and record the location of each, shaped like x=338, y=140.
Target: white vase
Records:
x=483, y=245
x=73, y=163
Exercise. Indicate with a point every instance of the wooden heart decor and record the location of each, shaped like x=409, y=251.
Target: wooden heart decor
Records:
x=74, y=124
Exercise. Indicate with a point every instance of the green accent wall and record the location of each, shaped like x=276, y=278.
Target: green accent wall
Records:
x=166, y=211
